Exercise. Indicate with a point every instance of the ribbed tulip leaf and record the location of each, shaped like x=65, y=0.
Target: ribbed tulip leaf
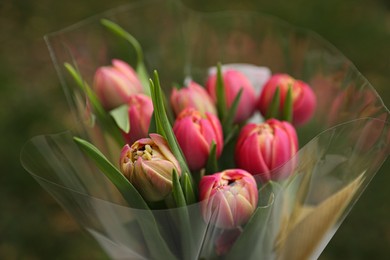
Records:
x=177, y=190
x=148, y=224
x=231, y=134
x=184, y=218
x=188, y=188
x=229, y=130
x=102, y=116
x=273, y=110
x=140, y=68
x=121, y=117
x=152, y=125
x=164, y=127
x=159, y=129
x=212, y=162
x=228, y=121
x=220, y=93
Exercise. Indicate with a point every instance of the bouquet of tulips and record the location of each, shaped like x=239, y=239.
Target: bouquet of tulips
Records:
x=217, y=167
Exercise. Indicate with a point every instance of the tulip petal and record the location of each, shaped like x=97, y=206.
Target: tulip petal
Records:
x=192, y=143
x=250, y=158
x=163, y=146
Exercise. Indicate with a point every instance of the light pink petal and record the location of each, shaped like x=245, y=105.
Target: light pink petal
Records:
x=162, y=144
x=128, y=72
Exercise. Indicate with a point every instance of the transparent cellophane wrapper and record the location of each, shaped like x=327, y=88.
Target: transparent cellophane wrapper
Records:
x=342, y=147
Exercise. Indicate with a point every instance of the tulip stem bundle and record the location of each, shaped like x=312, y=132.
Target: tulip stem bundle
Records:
x=210, y=153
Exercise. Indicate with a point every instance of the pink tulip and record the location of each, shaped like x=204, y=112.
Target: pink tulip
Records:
x=148, y=164
x=261, y=148
x=233, y=82
x=230, y=197
x=140, y=114
x=304, y=99
x=195, y=134
x=115, y=84
x=192, y=96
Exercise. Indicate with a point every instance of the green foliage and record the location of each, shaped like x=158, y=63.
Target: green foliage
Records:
x=121, y=117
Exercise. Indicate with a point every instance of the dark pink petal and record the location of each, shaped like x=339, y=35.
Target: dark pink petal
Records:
x=249, y=157
x=192, y=143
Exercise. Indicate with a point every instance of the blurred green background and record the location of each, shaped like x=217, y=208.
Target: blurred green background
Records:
x=34, y=226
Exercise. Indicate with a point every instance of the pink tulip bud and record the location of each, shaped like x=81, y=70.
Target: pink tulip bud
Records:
x=192, y=96
x=148, y=164
x=303, y=98
x=140, y=114
x=261, y=148
x=233, y=82
x=230, y=197
x=195, y=134
x=114, y=84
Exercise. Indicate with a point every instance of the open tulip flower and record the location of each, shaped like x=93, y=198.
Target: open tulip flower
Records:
x=140, y=113
x=115, y=84
x=192, y=96
x=230, y=197
x=303, y=98
x=263, y=147
x=234, y=81
x=148, y=164
x=195, y=134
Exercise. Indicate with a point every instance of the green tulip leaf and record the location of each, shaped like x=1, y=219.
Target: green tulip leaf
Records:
x=121, y=117
x=212, y=162
x=233, y=109
x=185, y=229
x=231, y=134
x=220, y=93
x=227, y=124
x=152, y=125
x=177, y=190
x=188, y=189
x=273, y=110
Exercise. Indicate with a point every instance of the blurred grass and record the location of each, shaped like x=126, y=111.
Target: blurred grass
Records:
x=32, y=224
